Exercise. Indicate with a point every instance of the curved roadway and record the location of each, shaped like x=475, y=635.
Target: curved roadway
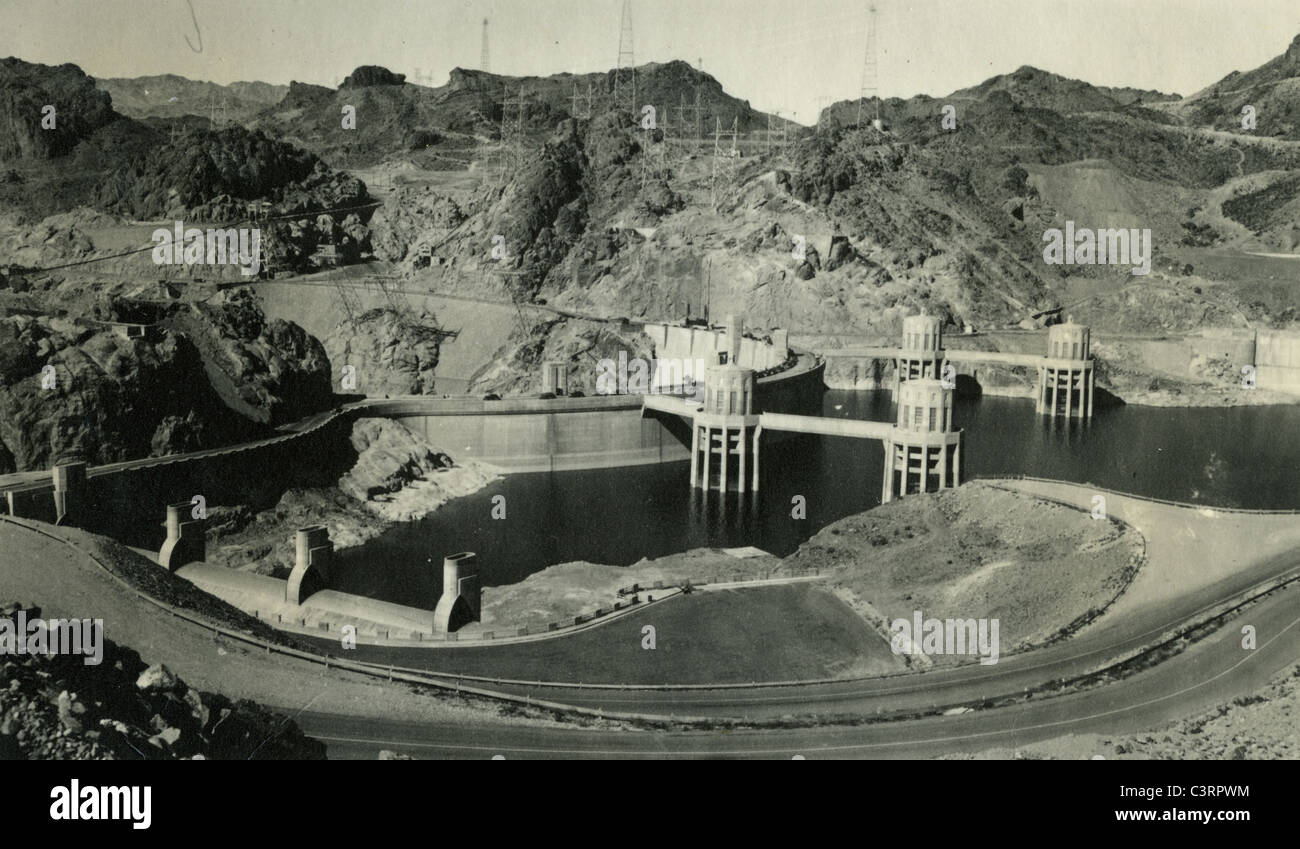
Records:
x=357, y=716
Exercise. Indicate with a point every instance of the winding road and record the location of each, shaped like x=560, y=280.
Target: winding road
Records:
x=358, y=714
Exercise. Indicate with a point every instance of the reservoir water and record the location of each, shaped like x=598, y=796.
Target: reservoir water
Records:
x=1225, y=457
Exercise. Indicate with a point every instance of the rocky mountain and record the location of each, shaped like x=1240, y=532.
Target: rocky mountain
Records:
x=1030, y=87
x=393, y=352
x=454, y=124
x=181, y=169
x=1272, y=89
x=172, y=96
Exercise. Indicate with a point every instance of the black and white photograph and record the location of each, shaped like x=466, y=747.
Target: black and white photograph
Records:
x=650, y=380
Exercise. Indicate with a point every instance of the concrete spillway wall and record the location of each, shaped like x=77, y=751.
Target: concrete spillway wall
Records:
x=1277, y=361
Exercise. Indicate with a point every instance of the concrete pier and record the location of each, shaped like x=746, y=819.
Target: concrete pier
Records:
x=69, y=492
x=922, y=451
x=313, y=552
x=185, y=541
x=461, y=600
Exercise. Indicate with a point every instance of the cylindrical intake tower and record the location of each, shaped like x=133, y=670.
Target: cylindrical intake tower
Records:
x=921, y=354
x=1065, y=379
x=923, y=453
x=719, y=431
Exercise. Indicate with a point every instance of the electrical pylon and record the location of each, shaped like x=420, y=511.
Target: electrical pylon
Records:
x=869, y=82
x=723, y=157
x=485, y=57
x=625, y=71
x=512, y=131
x=582, y=103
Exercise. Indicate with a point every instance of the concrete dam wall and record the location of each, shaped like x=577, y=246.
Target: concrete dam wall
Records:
x=565, y=434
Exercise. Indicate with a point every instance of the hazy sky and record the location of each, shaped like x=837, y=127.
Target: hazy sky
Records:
x=779, y=54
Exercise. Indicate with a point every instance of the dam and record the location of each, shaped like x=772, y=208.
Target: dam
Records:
x=579, y=512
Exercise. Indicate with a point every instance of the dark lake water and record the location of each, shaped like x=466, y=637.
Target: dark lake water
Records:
x=1231, y=457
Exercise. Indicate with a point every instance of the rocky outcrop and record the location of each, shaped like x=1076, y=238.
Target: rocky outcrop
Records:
x=415, y=216
x=179, y=178
x=389, y=457
x=77, y=390
x=393, y=352
x=275, y=366
x=516, y=368
x=58, y=707
x=396, y=476
x=371, y=75
x=27, y=88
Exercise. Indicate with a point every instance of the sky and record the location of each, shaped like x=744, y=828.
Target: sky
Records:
x=783, y=56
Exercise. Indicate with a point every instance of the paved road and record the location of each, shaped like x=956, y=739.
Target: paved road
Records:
x=973, y=683
x=1210, y=672
x=357, y=717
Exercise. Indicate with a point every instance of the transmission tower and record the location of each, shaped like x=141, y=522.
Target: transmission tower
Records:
x=654, y=156
x=869, y=83
x=688, y=121
x=771, y=132
x=215, y=108
x=724, y=158
x=869, y=73
x=484, y=60
x=625, y=71
x=582, y=103
x=512, y=131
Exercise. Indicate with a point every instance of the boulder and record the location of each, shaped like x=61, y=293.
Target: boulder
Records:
x=157, y=679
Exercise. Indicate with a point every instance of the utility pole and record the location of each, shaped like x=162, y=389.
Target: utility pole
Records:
x=625, y=71
x=869, y=82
